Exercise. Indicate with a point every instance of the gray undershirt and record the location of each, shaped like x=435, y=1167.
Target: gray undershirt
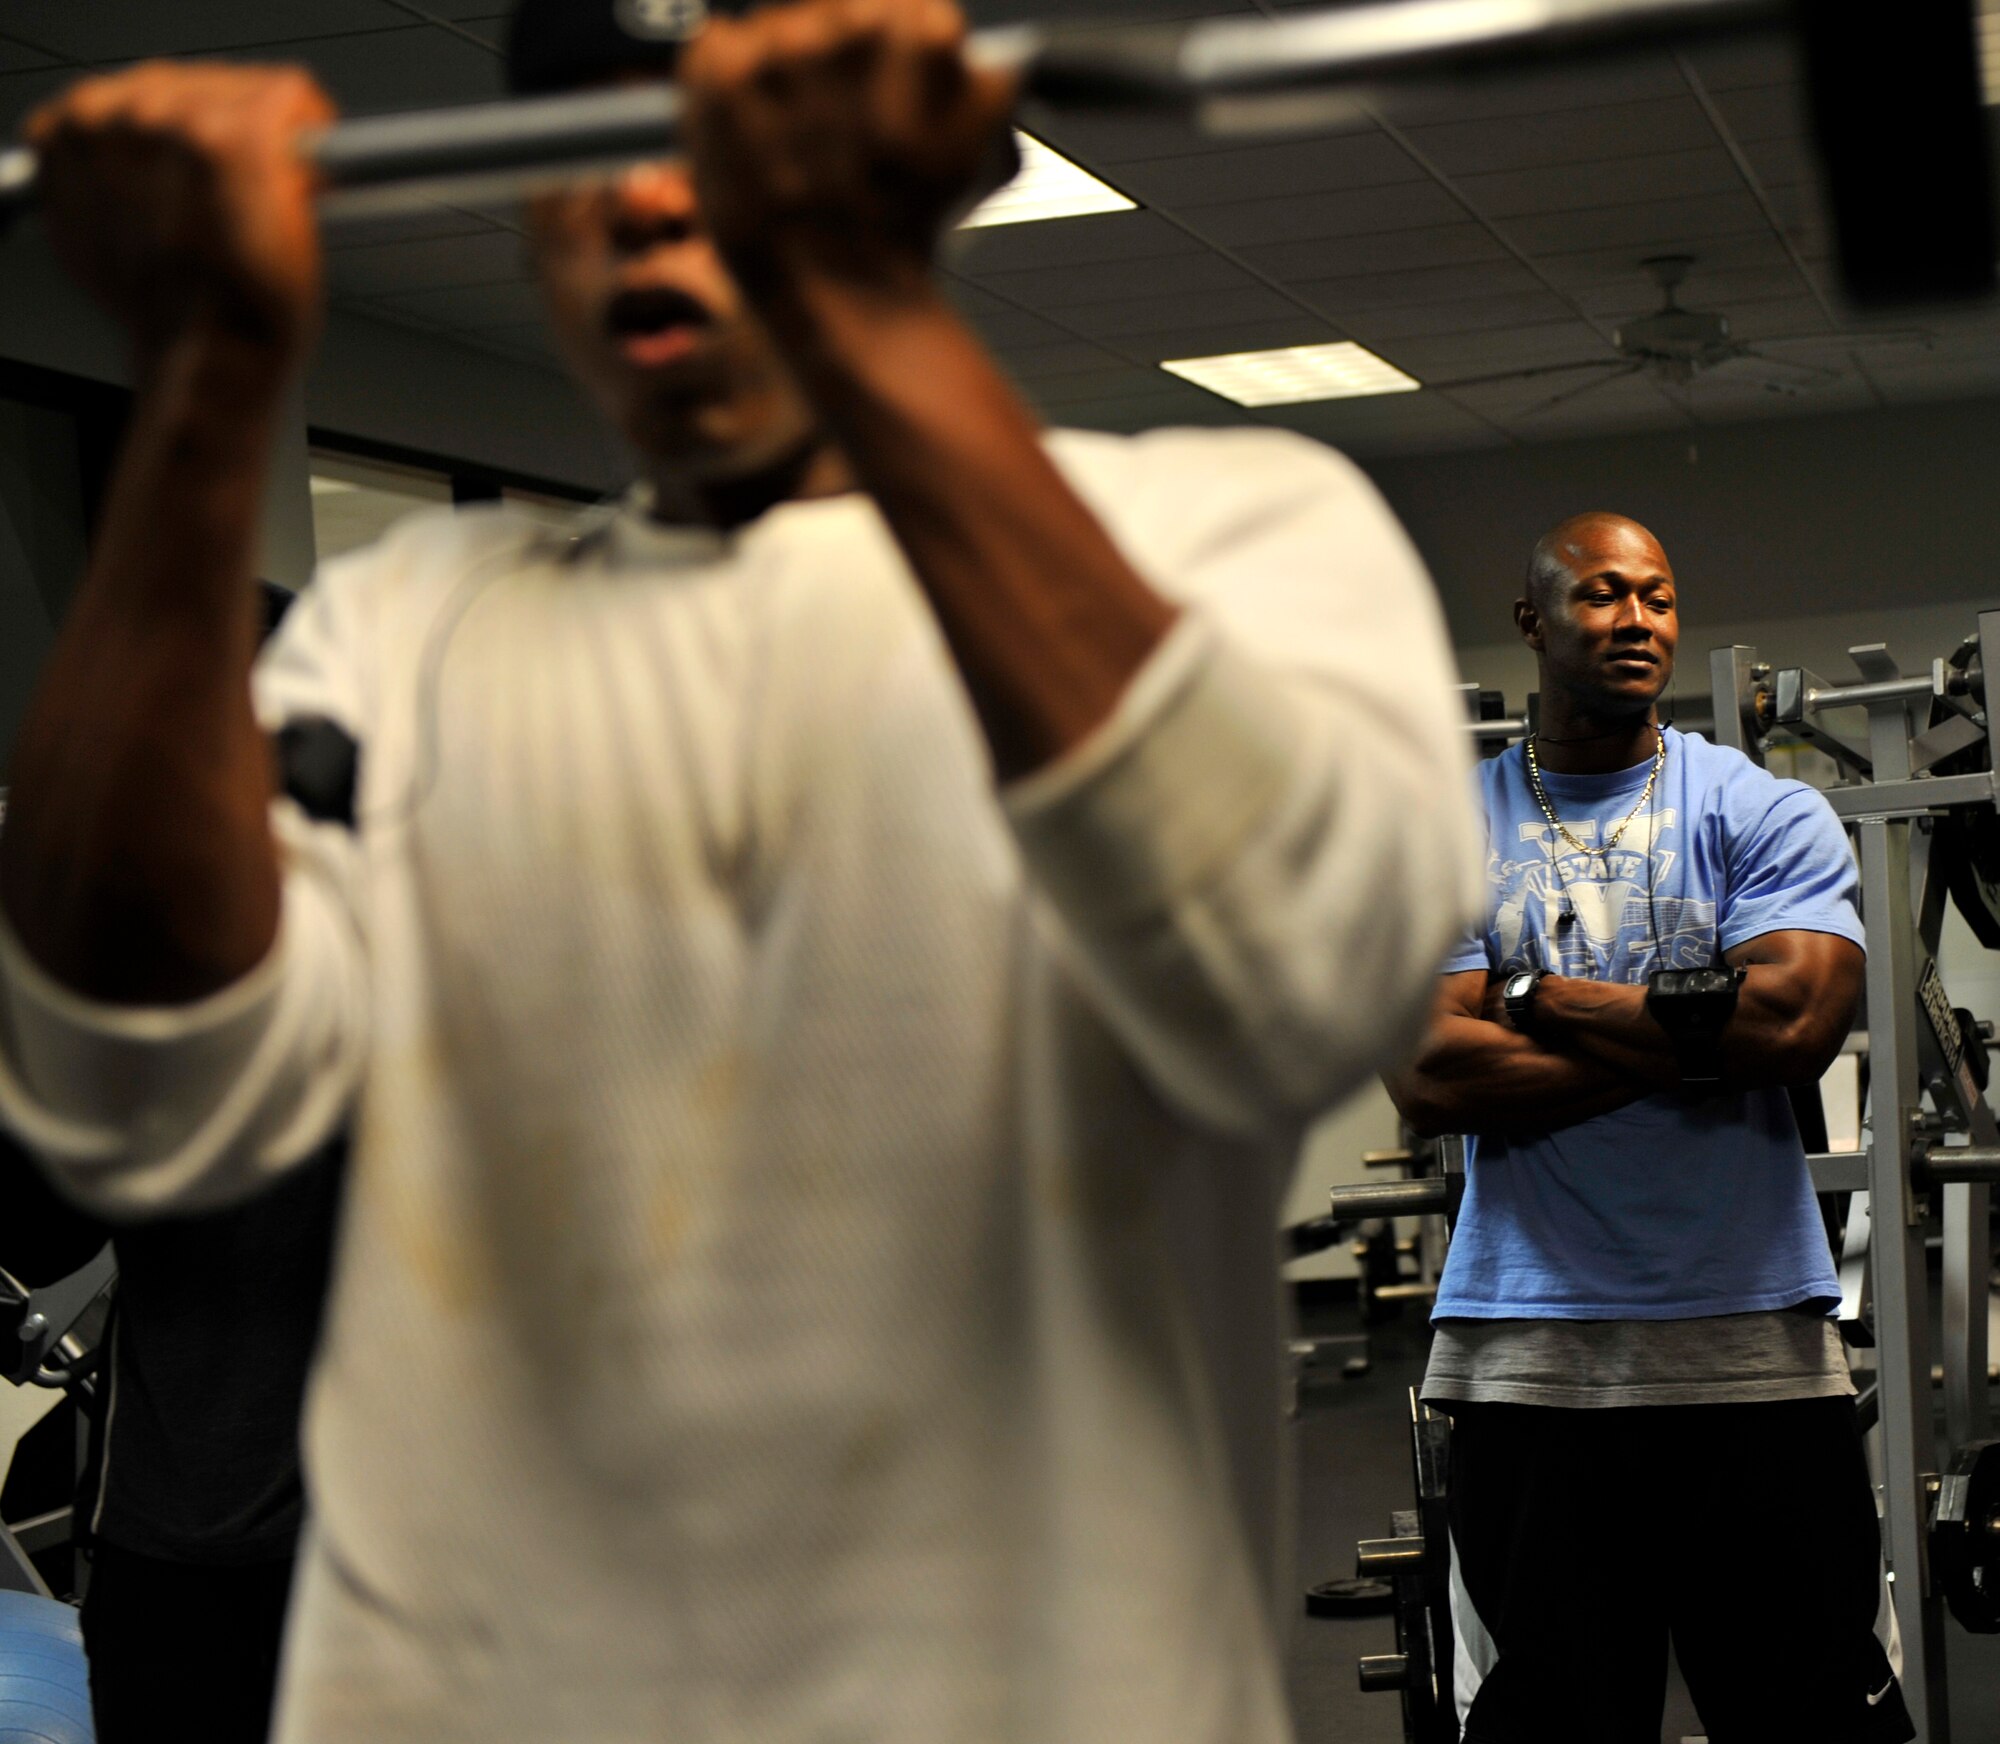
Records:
x=1729, y=1359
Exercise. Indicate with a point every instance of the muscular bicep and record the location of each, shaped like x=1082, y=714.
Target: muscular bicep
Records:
x=1826, y=968
x=1802, y=991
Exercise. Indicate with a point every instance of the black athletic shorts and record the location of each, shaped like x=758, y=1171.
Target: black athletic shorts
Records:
x=1583, y=1539
x=180, y=1650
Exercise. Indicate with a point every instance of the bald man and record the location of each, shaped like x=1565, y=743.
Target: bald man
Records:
x=1632, y=1333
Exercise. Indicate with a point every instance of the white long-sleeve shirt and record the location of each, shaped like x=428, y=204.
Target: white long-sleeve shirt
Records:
x=808, y=1272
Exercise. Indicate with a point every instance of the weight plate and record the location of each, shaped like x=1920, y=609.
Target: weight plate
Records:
x=1965, y=1537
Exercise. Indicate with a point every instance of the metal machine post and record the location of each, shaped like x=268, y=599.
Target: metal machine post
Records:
x=1909, y=1445
x=1735, y=676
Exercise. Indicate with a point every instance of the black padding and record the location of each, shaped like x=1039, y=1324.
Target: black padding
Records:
x=1900, y=123
x=563, y=45
x=319, y=768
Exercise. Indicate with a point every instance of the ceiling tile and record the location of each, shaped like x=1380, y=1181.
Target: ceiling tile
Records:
x=1619, y=265
x=1354, y=294
x=1324, y=164
x=459, y=11
x=18, y=57
x=1554, y=90
x=1621, y=403
x=1043, y=362
x=1122, y=382
x=1220, y=339
x=490, y=257
x=508, y=214
x=1578, y=136
x=1910, y=386
x=531, y=338
x=1104, y=236
x=982, y=12
x=86, y=31
x=417, y=226
x=1508, y=309
x=419, y=68
x=1583, y=168
x=472, y=306
x=1762, y=60
x=1752, y=389
x=1132, y=318
x=1005, y=327
x=1632, y=292
x=1764, y=112
x=523, y=339
x=1153, y=412
x=1784, y=162
x=22, y=93
x=1392, y=423
x=1448, y=245
x=1097, y=140
x=1650, y=226
x=1778, y=318
x=1063, y=287
x=969, y=298
x=1457, y=354
x=491, y=31
x=1580, y=187
x=1354, y=212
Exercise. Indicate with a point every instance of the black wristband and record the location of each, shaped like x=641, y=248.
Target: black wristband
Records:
x=1694, y=1006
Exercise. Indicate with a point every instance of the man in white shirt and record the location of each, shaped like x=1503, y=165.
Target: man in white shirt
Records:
x=808, y=1268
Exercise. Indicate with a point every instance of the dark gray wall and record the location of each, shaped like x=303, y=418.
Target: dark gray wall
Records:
x=1786, y=517
x=390, y=384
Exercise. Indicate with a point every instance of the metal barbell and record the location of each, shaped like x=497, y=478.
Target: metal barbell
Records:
x=1896, y=107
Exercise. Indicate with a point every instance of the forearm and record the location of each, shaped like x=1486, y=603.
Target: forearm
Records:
x=1475, y=1076
x=1773, y=1038
x=137, y=864
x=1046, y=620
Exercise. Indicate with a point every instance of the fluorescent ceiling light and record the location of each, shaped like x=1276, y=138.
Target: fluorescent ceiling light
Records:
x=1298, y=373
x=1988, y=23
x=1048, y=186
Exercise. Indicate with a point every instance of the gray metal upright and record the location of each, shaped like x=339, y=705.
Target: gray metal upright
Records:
x=1909, y=1439
x=1730, y=681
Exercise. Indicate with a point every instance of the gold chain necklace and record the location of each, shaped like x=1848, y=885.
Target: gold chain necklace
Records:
x=1562, y=829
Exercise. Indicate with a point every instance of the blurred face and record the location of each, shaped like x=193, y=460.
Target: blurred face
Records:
x=1607, y=632
x=651, y=323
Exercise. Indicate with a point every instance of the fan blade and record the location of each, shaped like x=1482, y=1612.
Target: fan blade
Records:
x=1540, y=369
x=1577, y=393
x=1888, y=336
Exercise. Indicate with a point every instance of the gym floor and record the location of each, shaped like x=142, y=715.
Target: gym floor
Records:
x=1354, y=1468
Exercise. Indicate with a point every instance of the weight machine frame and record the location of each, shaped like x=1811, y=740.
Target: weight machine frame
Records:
x=1910, y=1168
x=1918, y=1167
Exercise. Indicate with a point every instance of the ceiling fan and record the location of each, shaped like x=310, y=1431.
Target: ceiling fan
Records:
x=1674, y=344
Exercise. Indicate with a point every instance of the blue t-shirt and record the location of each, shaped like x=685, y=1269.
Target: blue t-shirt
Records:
x=1676, y=1206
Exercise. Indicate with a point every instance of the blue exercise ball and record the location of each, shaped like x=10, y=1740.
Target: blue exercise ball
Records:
x=44, y=1679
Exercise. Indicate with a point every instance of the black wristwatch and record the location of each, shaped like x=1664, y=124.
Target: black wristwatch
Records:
x=1693, y=1006
x=1517, y=994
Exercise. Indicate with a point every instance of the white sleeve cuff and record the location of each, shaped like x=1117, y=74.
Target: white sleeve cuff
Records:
x=145, y=1109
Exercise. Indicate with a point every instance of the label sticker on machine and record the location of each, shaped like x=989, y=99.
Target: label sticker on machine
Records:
x=1944, y=1021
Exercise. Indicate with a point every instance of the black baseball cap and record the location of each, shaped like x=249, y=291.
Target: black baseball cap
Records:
x=559, y=45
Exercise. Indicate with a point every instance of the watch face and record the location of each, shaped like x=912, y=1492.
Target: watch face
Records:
x=1518, y=984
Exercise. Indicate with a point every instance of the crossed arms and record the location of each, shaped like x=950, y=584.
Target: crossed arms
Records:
x=1596, y=1048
